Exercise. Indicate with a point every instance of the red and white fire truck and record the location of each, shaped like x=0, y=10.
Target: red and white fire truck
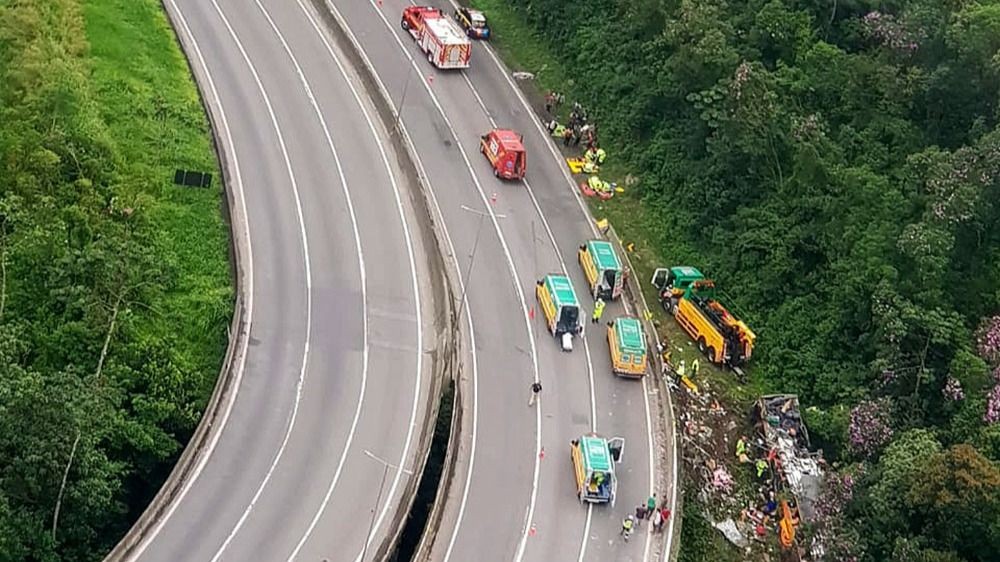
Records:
x=446, y=45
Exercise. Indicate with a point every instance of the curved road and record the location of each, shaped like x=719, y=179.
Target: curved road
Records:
x=512, y=497
x=330, y=404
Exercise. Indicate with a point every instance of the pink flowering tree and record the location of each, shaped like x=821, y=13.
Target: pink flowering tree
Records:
x=870, y=427
x=988, y=340
x=891, y=33
x=988, y=347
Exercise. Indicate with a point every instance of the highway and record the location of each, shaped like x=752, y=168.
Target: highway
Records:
x=323, y=433
x=512, y=496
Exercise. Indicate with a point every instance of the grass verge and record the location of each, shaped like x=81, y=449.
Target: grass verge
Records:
x=155, y=119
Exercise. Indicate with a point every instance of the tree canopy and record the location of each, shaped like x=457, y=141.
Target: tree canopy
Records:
x=100, y=381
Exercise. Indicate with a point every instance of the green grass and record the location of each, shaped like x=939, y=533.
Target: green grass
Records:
x=155, y=118
x=524, y=50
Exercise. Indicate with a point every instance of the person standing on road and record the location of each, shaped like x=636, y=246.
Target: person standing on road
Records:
x=536, y=389
x=598, y=310
x=657, y=520
x=665, y=514
x=651, y=505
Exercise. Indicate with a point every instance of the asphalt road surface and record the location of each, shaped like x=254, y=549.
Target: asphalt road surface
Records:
x=324, y=431
x=513, y=494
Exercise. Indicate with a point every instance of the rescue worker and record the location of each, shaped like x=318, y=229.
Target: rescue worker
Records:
x=681, y=369
x=552, y=100
x=741, y=449
x=627, y=525
x=695, y=367
x=590, y=162
x=601, y=155
x=761, y=466
x=567, y=136
x=598, y=310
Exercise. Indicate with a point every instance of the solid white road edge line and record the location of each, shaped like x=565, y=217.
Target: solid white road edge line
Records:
x=461, y=282
x=409, y=245
x=308, y=272
x=238, y=180
x=451, y=249
x=590, y=368
x=593, y=228
x=510, y=264
x=362, y=271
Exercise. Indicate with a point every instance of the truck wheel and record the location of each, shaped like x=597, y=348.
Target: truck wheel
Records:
x=496, y=173
x=404, y=25
x=673, y=307
x=430, y=58
x=711, y=354
x=701, y=345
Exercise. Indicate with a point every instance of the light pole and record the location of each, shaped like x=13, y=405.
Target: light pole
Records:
x=378, y=499
x=472, y=258
x=402, y=99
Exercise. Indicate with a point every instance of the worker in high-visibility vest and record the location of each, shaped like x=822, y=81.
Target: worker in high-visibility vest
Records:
x=598, y=310
x=695, y=367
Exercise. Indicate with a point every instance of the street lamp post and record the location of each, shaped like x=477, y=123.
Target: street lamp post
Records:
x=402, y=99
x=472, y=258
x=386, y=465
x=378, y=501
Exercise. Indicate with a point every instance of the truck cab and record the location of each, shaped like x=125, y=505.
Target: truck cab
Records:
x=439, y=37
x=672, y=282
x=505, y=151
x=691, y=298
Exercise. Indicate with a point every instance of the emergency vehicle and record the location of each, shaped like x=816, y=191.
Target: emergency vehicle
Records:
x=603, y=269
x=594, y=459
x=505, y=151
x=444, y=42
x=627, y=343
x=560, y=307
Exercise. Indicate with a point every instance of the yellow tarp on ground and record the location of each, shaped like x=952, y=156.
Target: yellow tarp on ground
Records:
x=689, y=383
x=575, y=165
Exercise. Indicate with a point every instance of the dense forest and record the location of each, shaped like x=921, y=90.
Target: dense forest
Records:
x=115, y=293
x=835, y=165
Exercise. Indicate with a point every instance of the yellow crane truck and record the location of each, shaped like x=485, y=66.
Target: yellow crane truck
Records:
x=687, y=295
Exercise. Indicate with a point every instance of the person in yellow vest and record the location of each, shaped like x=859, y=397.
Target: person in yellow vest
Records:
x=695, y=367
x=761, y=466
x=598, y=310
x=681, y=369
x=741, y=450
x=601, y=156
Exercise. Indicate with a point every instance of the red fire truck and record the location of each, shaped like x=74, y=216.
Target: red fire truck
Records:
x=505, y=151
x=446, y=45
